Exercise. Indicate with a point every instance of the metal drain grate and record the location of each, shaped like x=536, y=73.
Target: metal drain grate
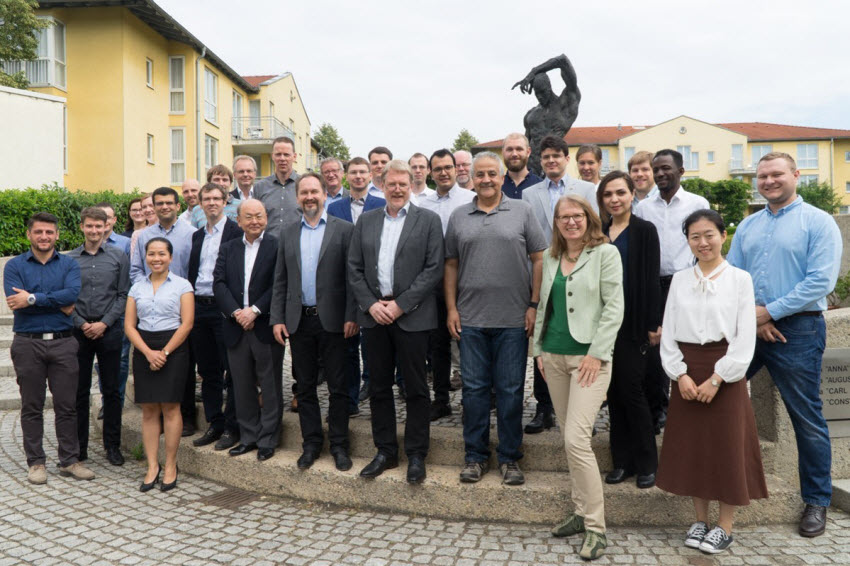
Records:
x=230, y=498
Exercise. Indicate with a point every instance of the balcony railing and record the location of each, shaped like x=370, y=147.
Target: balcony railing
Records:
x=259, y=130
x=37, y=71
x=738, y=167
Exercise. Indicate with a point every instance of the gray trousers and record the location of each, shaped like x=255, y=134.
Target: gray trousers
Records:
x=254, y=363
x=53, y=362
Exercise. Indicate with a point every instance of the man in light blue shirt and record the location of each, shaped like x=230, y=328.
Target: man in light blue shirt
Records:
x=792, y=250
x=165, y=204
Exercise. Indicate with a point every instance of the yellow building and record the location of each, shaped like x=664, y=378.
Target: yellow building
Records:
x=148, y=104
x=722, y=151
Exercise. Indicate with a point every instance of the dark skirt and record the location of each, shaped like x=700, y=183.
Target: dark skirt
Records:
x=165, y=385
x=711, y=451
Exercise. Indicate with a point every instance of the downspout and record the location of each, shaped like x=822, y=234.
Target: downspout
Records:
x=832, y=163
x=198, y=113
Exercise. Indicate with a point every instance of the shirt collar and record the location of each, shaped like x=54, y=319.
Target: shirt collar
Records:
x=257, y=241
x=504, y=204
x=219, y=226
x=167, y=276
x=28, y=255
x=787, y=208
x=322, y=220
x=557, y=185
x=401, y=213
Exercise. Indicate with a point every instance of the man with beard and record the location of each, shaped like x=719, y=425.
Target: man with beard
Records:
x=515, y=153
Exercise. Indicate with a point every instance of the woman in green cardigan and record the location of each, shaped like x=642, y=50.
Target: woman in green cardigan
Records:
x=581, y=298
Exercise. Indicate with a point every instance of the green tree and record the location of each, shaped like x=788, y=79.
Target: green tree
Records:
x=331, y=143
x=728, y=197
x=18, y=39
x=464, y=140
x=821, y=196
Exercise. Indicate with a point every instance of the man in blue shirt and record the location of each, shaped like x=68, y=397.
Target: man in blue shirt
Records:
x=792, y=250
x=41, y=286
x=165, y=205
x=515, y=152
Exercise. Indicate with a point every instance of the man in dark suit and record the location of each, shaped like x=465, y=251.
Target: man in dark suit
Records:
x=312, y=307
x=206, y=333
x=394, y=265
x=358, y=200
x=332, y=172
x=254, y=356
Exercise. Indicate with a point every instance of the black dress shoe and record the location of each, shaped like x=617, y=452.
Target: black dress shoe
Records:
x=353, y=411
x=364, y=392
x=378, y=465
x=813, y=521
x=341, y=460
x=416, y=469
x=307, y=458
x=228, y=439
x=645, y=481
x=100, y=414
x=188, y=429
x=114, y=456
x=542, y=421
x=170, y=485
x=210, y=436
x=619, y=475
x=145, y=487
x=242, y=449
x=264, y=454
x=440, y=410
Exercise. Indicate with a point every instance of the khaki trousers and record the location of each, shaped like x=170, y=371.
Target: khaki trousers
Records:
x=576, y=408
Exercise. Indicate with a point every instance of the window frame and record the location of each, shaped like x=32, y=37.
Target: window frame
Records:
x=172, y=160
x=176, y=90
x=149, y=72
x=210, y=78
x=805, y=162
x=210, y=157
x=149, y=146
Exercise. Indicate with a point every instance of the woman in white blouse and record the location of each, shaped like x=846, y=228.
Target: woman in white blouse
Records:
x=711, y=449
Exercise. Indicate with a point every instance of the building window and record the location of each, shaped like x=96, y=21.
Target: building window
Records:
x=689, y=158
x=48, y=68
x=210, y=96
x=807, y=155
x=150, y=148
x=807, y=180
x=847, y=156
x=606, y=159
x=710, y=157
x=65, y=139
x=176, y=84
x=238, y=102
x=149, y=73
x=628, y=153
x=178, y=155
x=210, y=151
x=759, y=151
x=847, y=187
x=737, y=160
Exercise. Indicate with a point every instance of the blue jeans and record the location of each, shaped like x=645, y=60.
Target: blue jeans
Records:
x=492, y=359
x=795, y=369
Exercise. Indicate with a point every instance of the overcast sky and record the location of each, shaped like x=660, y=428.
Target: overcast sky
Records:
x=411, y=76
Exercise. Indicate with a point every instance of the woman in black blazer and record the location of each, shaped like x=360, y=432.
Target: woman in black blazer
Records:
x=633, y=446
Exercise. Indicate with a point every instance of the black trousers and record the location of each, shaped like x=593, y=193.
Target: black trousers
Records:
x=211, y=356
x=541, y=390
x=657, y=385
x=632, y=437
x=309, y=343
x=386, y=344
x=108, y=351
x=188, y=410
x=440, y=352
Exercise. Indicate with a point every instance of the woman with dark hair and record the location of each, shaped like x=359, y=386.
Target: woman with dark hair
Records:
x=160, y=313
x=632, y=436
x=581, y=308
x=589, y=162
x=135, y=217
x=711, y=447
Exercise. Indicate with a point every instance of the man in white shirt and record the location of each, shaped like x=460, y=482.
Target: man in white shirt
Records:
x=419, y=165
x=378, y=159
x=332, y=170
x=463, y=164
x=244, y=173
x=189, y=189
x=667, y=209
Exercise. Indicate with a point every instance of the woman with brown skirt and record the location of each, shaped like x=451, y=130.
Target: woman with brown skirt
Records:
x=711, y=447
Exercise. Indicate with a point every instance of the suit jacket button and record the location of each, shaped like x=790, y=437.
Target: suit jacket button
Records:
x=569, y=293
x=572, y=310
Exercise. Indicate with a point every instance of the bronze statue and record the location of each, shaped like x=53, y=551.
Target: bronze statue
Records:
x=555, y=114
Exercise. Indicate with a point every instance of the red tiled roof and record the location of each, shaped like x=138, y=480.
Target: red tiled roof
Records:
x=755, y=131
x=255, y=80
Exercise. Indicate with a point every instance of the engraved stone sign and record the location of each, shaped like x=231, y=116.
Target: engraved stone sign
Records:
x=835, y=391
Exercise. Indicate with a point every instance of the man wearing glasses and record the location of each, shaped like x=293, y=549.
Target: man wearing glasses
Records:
x=331, y=169
x=178, y=233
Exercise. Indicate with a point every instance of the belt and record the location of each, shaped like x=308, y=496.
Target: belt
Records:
x=806, y=313
x=46, y=335
x=310, y=311
x=205, y=300
x=94, y=319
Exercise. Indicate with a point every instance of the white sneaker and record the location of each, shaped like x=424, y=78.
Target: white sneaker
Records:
x=716, y=541
x=37, y=474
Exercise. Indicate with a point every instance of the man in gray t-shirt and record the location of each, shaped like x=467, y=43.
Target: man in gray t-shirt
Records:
x=491, y=298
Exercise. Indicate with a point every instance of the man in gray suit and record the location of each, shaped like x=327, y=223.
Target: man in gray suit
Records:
x=394, y=266
x=554, y=157
x=311, y=307
x=277, y=191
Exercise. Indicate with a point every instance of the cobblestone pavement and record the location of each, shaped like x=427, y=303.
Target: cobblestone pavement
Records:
x=108, y=521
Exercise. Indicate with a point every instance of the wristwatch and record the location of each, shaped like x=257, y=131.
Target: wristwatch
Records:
x=166, y=352
x=715, y=383
x=533, y=304
x=255, y=310
x=30, y=299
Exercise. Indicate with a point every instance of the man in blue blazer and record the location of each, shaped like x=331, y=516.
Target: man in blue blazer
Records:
x=256, y=359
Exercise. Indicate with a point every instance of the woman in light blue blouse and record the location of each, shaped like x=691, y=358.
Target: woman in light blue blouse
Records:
x=160, y=314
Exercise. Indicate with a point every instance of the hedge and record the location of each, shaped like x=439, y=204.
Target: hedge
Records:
x=17, y=205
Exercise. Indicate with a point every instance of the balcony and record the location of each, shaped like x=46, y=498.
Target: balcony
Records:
x=258, y=132
x=38, y=71
x=738, y=167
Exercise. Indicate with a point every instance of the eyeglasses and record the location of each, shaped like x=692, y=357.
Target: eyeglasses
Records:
x=164, y=203
x=439, y=170
x=331, y=172
x=576, y=218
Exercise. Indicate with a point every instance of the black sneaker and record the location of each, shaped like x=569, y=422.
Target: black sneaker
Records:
x=716, y=541
x=511, y=474
x=696, y=534
x=473, y=471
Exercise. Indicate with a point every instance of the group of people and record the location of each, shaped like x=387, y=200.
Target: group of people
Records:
x=618, y=283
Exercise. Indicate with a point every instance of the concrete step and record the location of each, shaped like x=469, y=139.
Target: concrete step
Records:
x=6, y=319
x=544, y=499
x=6, y=336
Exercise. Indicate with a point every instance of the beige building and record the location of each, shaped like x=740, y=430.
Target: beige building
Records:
x=722, y=151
